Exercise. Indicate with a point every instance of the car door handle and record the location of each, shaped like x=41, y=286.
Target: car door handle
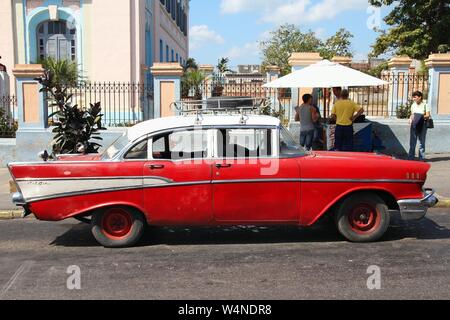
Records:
x=156, y=166
x=219, y=166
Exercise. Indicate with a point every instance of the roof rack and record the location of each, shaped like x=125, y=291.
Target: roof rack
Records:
x=221, y=106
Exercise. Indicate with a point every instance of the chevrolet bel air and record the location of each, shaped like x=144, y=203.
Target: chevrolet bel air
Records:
x=220, y=170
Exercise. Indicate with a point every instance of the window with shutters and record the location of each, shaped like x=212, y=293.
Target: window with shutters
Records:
x=57, y=39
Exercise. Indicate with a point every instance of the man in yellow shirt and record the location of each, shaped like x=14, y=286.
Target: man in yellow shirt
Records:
x=345, y=112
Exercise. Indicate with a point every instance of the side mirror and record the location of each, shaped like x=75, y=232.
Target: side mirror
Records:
x=43, y=155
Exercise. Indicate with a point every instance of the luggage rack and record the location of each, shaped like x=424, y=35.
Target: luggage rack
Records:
x=221, y=106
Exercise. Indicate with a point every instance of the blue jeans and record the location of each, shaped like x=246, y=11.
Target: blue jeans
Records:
x=422, y=137
x=306, y=139
x=343, y=138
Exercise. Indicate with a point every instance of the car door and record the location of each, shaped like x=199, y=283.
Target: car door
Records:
x=177, y=178
x=251, y=183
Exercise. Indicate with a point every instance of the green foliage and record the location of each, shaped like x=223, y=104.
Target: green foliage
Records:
x=288, y=39
x=191, y=82
x=416, y=28
x=222, y=65
x=268, y=110
x=75, y=127
x=6, y=129
x=337, y=45
x=376, y=72
x=65, y=72
x=191, y=64
x=404, y=111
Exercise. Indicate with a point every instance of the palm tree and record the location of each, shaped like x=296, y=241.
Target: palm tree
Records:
x=192, y=80
x=191, y=64
x=222, y=66
x=65, y=72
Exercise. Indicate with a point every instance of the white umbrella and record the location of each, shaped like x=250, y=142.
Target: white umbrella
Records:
x=326, y=74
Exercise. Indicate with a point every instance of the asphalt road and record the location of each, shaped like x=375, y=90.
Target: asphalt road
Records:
x=226, y=263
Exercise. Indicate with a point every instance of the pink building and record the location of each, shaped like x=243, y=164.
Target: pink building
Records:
x=110, y=40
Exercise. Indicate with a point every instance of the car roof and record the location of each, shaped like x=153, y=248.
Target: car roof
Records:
x=155, y=125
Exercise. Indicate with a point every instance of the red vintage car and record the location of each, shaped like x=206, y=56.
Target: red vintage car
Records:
x=220, y=170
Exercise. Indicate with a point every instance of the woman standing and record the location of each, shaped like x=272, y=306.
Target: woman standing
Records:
x=420, y=113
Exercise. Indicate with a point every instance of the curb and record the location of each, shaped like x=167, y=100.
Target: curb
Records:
x=11, y=214
x=443, y=203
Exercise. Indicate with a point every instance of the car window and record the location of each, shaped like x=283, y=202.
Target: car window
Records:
x=288, y=146
x=138, y=152
x=178, y=145
x=116, y=147
x=244, y=143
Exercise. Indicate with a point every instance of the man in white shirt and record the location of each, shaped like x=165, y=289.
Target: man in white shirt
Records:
x=420, y=113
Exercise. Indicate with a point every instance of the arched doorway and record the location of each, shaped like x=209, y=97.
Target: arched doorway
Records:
x=56, y=39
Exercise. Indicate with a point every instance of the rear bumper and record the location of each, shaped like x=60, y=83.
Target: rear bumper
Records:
x=19, y=201
x=416, y=209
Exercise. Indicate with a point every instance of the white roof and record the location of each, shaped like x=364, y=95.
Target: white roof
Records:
x=151, y=126
x=326, y=74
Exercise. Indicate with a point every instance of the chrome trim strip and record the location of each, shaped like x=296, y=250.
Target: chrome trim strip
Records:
x=95, y=178
x=316, y=181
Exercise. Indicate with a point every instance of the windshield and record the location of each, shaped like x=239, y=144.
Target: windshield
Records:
x=288, y=145
x=116, y=147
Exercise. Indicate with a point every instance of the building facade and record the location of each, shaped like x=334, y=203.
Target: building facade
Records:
x=109, y=40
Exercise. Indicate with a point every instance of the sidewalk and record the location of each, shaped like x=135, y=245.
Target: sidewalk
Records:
x=438, y=179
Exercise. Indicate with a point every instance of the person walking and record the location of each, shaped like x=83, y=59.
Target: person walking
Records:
x=420, y=114
x=344, y=113
x=308, y=116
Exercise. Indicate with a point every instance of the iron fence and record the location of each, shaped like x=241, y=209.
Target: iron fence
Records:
x=123, y=104
x=8, y=116
x=390, y=100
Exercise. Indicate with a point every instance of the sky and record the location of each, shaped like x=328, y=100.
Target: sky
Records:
x=233, y=28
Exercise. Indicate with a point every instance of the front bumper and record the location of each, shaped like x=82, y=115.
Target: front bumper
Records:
x=416, y=209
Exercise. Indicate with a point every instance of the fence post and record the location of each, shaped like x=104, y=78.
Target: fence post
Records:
x=272, y=74
x=32, y=136
x=439, y=94
x=299, y=61
x=398, y=91
x=208, y=71
x=167, y=86
x=345, y=61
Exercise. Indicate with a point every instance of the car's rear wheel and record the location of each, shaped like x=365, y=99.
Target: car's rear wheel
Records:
x=363, y=217
x=118, y=227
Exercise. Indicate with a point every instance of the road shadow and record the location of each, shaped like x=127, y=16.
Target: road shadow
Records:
x=426, y=229
x=438, y=159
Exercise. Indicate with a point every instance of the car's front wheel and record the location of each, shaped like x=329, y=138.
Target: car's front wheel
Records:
x=118, y=227
x=363, y=217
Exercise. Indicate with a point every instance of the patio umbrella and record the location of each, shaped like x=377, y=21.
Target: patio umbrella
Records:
x=326, y=74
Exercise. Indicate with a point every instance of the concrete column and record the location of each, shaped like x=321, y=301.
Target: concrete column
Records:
x=208, y=71
x=345, y=61
x=399, y=90
x=167, y=87
x=439, y=94
x=33, y=134
x=299, y=61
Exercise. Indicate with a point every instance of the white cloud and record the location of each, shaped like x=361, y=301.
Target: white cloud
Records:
x=292, y=11
x=249, y=49
x=201, y=35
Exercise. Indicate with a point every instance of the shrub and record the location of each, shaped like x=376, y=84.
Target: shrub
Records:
x=74, y=127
